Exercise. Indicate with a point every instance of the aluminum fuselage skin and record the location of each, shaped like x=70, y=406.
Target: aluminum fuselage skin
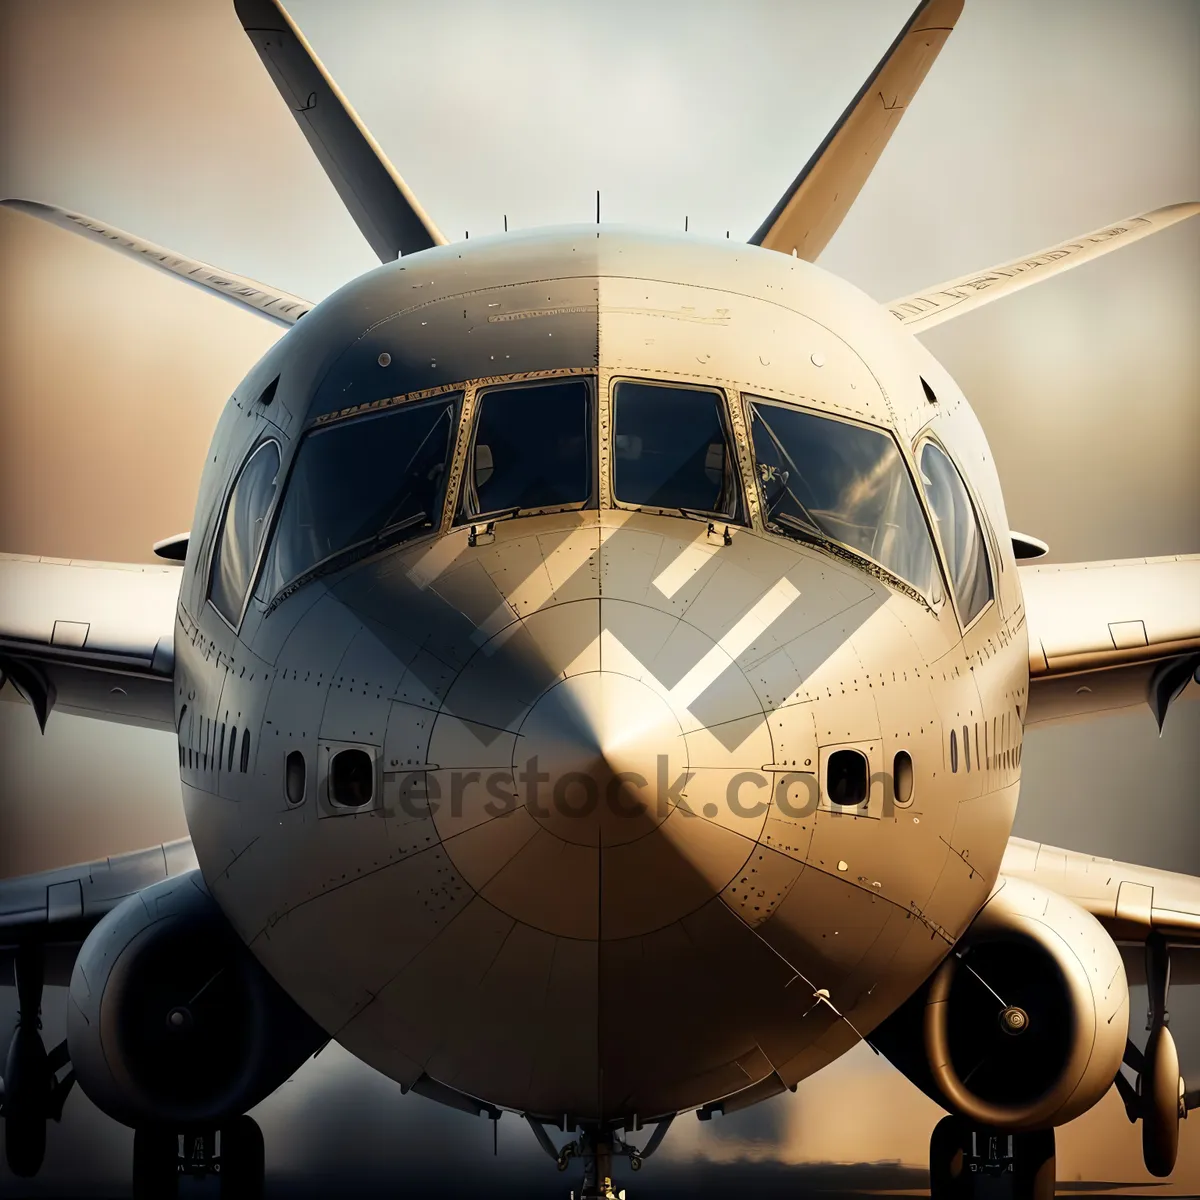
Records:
x=601, y=966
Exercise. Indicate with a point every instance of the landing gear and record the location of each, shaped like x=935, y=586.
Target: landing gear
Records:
x=32, y=1092
x=962, y=1158
x=237, y=1159
x=1159, y=1098
x=596, y=1148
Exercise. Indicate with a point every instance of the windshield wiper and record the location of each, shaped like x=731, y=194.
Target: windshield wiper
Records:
x=388, y=536
x=501, y=514
x=810, y=533
x=345, y=557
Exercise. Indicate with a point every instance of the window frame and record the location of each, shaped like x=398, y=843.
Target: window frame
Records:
x=929, y=595
x=270, y=437
x=741, y=515
x=456, y=396
x=925, y=437
x=477, y=392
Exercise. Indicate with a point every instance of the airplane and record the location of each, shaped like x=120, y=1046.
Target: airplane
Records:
x=599, y=664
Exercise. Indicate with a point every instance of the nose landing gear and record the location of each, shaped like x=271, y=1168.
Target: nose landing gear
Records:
x=596, y=1148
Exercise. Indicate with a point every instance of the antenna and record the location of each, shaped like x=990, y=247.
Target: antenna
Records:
x=597, y=206
x=506, y=224
x=685, y=224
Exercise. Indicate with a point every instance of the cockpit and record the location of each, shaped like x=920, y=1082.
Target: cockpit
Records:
x=406, y=468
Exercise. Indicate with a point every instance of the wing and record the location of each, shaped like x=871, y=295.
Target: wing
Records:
x=383, y=208
x=1111, y=635
x=58, y=908
x=810, y=211
x=1131, y=902
x=95, y=639
x=281, y=307
x=925, y=309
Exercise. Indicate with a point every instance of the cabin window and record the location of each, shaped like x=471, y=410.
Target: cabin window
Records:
x=232, y=745
x=960, y=532
x=902, y=777
x=826, y=479
x=672, y=450
x=362, y=484
x=295, y=775
x=244, y=763
x=532, y=450
x=953, y=751
x=242, y=531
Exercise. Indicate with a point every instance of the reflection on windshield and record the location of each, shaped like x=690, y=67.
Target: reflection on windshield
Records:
x=827, y=478
x=366, y=482
x=242, y=531
x=531, y=449
x=670, y=450
x=958, y=527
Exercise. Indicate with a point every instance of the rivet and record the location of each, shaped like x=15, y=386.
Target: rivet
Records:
x=818, y=359
x=384, y=359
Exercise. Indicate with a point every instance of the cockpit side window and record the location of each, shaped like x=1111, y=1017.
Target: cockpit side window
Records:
x=671, y=450
x=824, y=478
x=361, y=484
x=959, y=529
x=532, y=450
x=241, y=533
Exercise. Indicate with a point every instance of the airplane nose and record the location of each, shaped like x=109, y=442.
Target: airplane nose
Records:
x=582, y=763
x=599, y=739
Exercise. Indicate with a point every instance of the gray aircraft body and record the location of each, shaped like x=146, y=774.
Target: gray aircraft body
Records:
x=599, y=666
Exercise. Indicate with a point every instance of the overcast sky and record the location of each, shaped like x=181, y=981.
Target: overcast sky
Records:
x=1039, y=121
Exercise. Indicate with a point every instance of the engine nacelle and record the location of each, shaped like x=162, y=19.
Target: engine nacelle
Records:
x=171, y=1020
x=1024, y=1025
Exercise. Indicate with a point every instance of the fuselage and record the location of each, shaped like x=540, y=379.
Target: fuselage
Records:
x=656, y=731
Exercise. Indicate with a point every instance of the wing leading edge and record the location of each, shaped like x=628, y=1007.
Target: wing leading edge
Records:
x=281, y=307
x=931, y=306
x=1105, y=636
x=94, y=639
x=1130, y=901
x=66, y=901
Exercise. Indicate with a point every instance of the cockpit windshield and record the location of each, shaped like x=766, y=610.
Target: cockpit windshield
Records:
x=362, y=483
x=531, y=450
x=827, y=478
x=671, y=451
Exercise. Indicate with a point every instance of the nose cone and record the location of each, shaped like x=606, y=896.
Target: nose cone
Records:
x=581, y=778
x=598, y=738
